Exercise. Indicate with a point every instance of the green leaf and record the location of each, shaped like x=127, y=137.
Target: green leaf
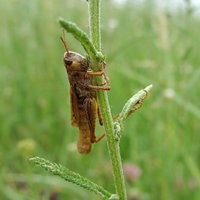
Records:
x=82, y=37
x=70, y=176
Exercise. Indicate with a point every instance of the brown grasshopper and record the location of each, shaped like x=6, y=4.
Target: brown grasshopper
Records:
x=83, y=99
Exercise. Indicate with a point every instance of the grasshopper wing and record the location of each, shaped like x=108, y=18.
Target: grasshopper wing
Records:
x=90, y=107
x=74, y=108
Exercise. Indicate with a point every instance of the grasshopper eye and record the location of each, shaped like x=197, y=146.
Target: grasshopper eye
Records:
x=68, y=62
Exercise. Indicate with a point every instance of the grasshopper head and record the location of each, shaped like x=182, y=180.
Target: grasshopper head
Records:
x=74, y=61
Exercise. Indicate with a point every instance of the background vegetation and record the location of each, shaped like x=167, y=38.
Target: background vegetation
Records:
x=144, y=44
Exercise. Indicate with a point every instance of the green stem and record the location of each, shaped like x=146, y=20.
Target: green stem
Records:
x=113, y=145
x=94, y=23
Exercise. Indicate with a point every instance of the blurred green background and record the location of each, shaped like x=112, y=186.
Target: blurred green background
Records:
x=145, y=44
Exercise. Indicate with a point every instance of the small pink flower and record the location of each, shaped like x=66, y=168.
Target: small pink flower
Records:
x=131, y=172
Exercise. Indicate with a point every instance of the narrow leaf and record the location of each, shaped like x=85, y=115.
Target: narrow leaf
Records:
x=70, y=176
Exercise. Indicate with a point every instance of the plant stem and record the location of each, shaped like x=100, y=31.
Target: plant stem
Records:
x=94, y=23
x=113, y=145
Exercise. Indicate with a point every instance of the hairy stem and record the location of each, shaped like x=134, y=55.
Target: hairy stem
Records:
x=113, y=145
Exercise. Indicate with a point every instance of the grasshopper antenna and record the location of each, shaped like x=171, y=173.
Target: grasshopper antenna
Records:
x=65, y=44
